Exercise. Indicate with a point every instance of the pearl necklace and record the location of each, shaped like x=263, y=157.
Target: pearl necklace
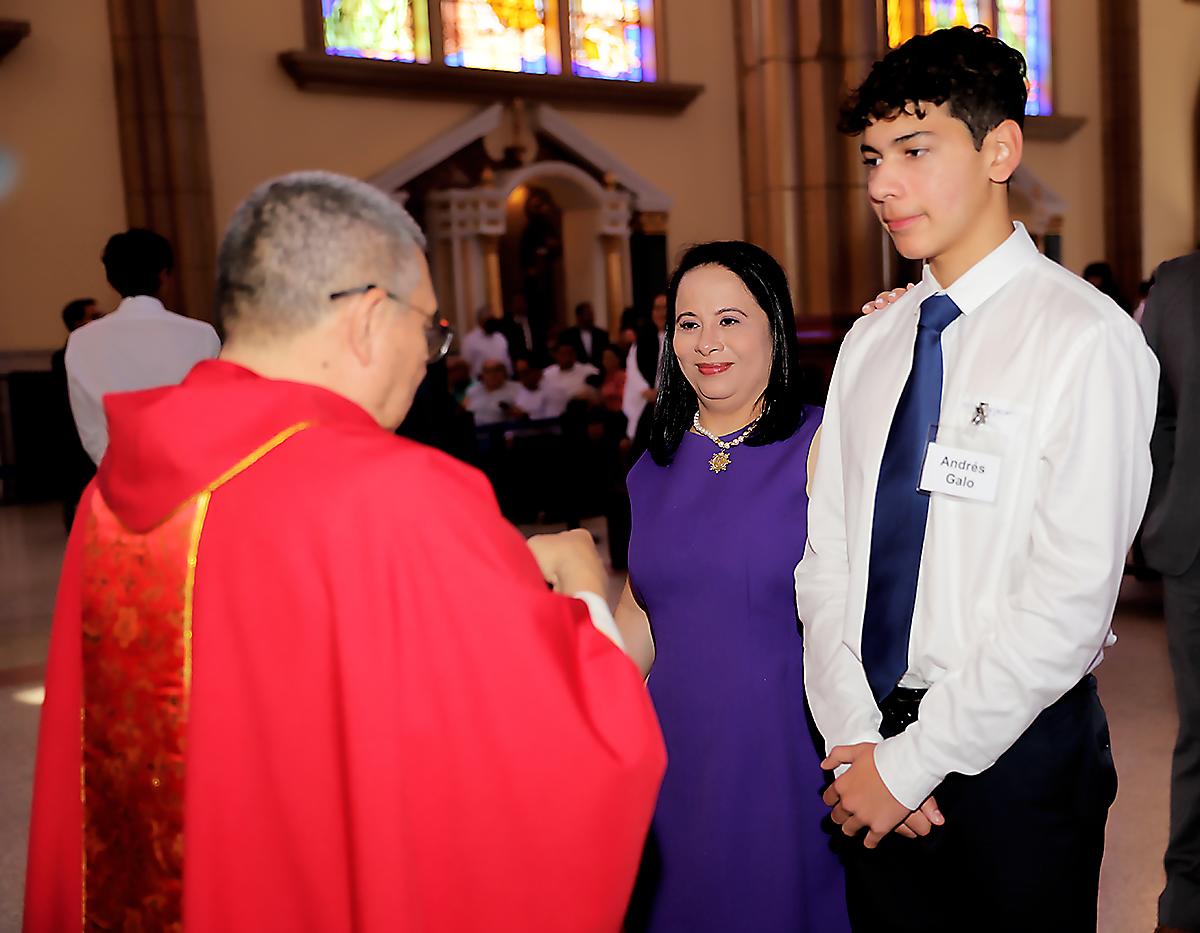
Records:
x=720, y=460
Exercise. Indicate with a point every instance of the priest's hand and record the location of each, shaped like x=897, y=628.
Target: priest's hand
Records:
x=883, y=299
x=569, y=562
x=859, y=798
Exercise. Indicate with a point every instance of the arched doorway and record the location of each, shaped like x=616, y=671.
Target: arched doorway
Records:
x=532, y=259
x=613, y=221
x=563, y=230
x=470, y=233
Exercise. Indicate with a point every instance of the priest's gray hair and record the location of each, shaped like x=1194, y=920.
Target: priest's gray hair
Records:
x=301, y=237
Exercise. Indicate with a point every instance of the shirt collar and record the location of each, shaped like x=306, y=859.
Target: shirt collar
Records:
x=141, y=304
x=989, y=275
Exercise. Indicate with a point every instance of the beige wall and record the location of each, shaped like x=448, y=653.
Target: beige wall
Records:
x=1170, y=63
x=1073, y=168
x=58, y=119
x=260, y=125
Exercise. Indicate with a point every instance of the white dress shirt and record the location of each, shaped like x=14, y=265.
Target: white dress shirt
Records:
x=1015, y=597
x=478, y=346
x=140, y=345
x=488, y=405
x=632, y=402
x=602, y=618
x=561, y=385
x=536, y=403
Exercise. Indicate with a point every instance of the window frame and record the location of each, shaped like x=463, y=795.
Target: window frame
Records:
x=916, y=9
x=1053, y=127
x=311, y=68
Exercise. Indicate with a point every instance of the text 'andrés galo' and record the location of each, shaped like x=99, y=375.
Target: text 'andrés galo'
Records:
x=965, y=474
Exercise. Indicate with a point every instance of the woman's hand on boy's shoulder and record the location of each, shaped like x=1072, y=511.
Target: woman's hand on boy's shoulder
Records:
x=886, y=298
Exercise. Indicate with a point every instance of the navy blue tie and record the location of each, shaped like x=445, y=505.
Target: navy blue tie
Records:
x=898, y=528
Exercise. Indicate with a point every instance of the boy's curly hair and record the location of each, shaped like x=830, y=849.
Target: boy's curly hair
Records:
x=979, y=76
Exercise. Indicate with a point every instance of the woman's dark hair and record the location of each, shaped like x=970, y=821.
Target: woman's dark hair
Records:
x=783, y=400
x=979, y=77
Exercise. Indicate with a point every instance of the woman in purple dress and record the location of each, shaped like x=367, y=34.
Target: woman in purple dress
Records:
x=739, y=839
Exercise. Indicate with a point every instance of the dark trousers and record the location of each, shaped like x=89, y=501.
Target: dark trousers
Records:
x=1021, y=846
x=1179, y=905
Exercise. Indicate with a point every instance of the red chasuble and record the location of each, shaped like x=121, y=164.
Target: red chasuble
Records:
x=303, y=676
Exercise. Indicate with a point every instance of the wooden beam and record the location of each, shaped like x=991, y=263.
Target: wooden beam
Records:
x=164, y=139
x=1120, y=96
x=316, y=71
x=1053, y=128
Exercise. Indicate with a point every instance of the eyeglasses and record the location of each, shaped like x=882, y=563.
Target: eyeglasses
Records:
x=438, y=332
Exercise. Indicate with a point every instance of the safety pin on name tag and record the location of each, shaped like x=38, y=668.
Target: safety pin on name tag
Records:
x=981, y=414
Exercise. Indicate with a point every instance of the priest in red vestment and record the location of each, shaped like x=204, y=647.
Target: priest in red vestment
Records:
x=302, y=674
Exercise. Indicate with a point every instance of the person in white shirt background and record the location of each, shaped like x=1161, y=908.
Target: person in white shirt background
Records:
x=568, y=379
x=955, y=596
x=491, y=399
x=641, y=374
x=531, y=398
x=140, y=345
x=485, y=342
x=75, y=465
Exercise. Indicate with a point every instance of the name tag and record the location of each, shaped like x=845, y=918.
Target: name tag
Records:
x=966, y=474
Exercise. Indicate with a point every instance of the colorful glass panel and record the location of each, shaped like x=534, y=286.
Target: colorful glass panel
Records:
x=1023, y=24
x=394, y=30
x=941, y=14
x=613, y=39
x=901, y=22
x=502, y=35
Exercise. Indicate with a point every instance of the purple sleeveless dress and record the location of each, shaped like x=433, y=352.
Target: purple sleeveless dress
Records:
x=739, y=840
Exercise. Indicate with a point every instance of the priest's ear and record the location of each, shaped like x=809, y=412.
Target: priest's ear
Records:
x=366, y=318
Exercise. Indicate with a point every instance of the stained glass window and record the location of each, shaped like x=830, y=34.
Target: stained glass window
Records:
x=502, y=35
x=1023, y=24
x=396, y=30
x=940, y=14
x=613, y=39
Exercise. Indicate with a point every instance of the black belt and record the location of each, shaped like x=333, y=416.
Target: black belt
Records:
x=901, y=707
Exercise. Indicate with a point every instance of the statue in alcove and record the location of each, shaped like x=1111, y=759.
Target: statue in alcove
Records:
x=541, y=260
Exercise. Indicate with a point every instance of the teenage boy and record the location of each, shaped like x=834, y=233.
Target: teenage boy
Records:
x=984, y=466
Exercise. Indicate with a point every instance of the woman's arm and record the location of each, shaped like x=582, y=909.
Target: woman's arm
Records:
x=634, y=626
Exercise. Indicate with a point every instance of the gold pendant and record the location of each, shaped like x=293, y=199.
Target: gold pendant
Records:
x=719, y=462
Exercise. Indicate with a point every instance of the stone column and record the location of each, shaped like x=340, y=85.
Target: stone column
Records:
x=491, y=271
x=803, y=183
x=164, y=139
x=614, y=283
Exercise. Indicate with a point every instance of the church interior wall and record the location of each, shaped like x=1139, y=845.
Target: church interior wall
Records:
x=1074, y=168
x=69, y=197
x=260, y=124
x=58, y=123
x=1170, y=101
